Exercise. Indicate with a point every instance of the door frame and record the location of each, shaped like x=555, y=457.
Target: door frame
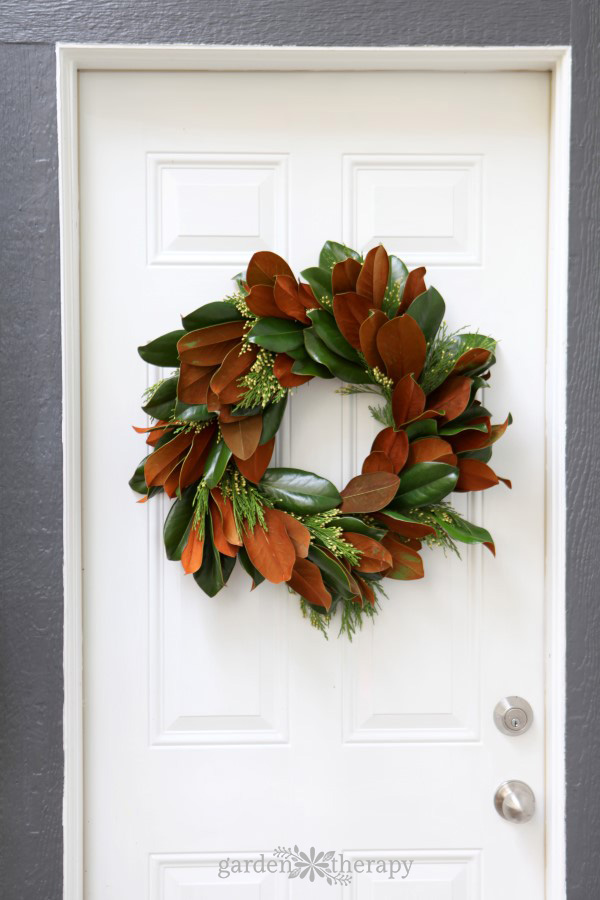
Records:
x=74, y=58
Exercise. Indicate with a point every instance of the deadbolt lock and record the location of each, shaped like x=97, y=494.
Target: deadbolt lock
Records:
x=513, y=715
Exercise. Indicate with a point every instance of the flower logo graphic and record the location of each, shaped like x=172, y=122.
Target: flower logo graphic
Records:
x=312, y=865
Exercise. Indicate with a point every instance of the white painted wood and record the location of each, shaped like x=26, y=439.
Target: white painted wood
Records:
x=195, y=739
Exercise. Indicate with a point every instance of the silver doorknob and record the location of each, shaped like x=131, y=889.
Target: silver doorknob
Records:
x=515, y=801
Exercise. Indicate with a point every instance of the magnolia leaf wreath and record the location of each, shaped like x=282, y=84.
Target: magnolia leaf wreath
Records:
x=375, y=326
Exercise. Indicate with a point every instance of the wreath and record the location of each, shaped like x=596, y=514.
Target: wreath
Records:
x=375, y=326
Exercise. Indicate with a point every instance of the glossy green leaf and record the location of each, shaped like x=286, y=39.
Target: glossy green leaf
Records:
x=137, y=482
x=337, y=365
x=327, y=330
x=484, y=454
x=272, y=416
x=216, y=568
x=334, y=574
x=243, y=412
x=398, y=272
x=471, y=412
x=424, y=428
x=395, y=287
x=297, y=491
x=307, y=366
x=216, y=313
x=177, y=524
x=162, y=403
x=216, y=462
x=428, y=310
x=163, y=350
x=424, y=483
x=320, y=282
x=186, y=413
x=332, y=253
x=461, y=530
x=279, y=335
x=356, y=525
x=453, y=428
x=253, y=572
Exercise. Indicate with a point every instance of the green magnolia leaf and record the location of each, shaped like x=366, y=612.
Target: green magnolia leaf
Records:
x=453, y=428
x=471, y=412
x=243, y=412
x=357, y=526
x=178, y=523
x=307, y=366
x=332, y=253
x=297, y=491
x=186, y=413
x=461, y=530
x=320, y=282
x=337, y=365
x=161, y=404
x=272, y=416
x=254, y=574
x=424, y=483
x=326, y=328
x=137, y=482
x=428, y=310
x=163, y=350
x=216, y=568
x=395, y=286
x=216, y=463
x=485, y=454
x=398, y=272
x=424, y=428
x=216, y=313
x=279, y=335
x=334, y=574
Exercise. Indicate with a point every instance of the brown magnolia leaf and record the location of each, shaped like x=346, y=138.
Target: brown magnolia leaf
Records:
x=236, y=364
x=373, y=278
x=450, y=458
x=298, y=534
x=408, y=400
x=264, y=267
x=475, y=357
x=452, y=397
x=154, y=432
x=191, y=558
x=271, y=552
x=193, y=465
x=282, y=370
x=261, y=301
x=256, y=465
x=172, y=480
x=497, y=430
x=219, y=539
x=415, y=285
x=377, y=461
x=306, y=580
x=366, y=591
x=344, y=275
x=242, y=437
x=307, y=297
x=350, y=310
x=287, y=299
x=406, y=529
x=368, y=493
x=402, y=346
x=394, y=444
x=465, y=441
x=225, y=507
x=367, y=337
x=374, y=556
x=406, y=562
x=213, y=404
x=475, y=475
x=211, y=355
x=193, y=383
x=160, y=463
x=428, y=449
x=197, y=345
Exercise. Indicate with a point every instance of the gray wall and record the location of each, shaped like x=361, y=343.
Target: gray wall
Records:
x=31, y=526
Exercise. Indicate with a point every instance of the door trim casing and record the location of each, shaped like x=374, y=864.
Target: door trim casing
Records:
x=73, y=58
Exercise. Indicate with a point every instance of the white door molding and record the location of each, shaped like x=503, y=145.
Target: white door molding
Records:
x=73, y=58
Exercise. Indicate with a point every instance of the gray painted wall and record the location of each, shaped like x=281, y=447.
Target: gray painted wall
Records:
x=30, y=478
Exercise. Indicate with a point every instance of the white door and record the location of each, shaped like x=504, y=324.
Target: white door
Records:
x=226, y=727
